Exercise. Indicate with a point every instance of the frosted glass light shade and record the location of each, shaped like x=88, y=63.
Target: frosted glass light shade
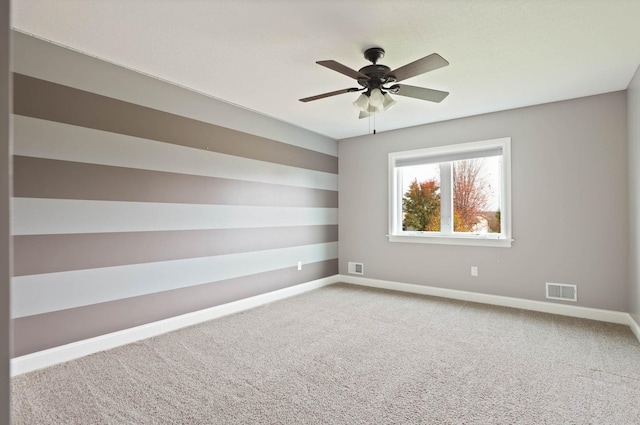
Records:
x=376, y=98
x=362, y=102
x=388, y=102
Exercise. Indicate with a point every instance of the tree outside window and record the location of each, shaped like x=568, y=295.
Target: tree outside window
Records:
x=472, y=199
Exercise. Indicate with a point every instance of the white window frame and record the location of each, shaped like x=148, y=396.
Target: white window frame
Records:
x=447, y=236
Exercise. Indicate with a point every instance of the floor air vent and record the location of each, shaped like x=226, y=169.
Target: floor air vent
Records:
x=562, y=291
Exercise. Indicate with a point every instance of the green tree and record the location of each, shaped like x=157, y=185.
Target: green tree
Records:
x=494, y=223
x=421, y=206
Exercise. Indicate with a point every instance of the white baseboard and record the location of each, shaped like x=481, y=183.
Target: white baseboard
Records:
x=52, y=356
x=74, y=350
x=635, y=327
x=541, y=306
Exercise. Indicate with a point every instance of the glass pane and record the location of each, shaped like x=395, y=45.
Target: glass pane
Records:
x=421, y=198
x=476, y=195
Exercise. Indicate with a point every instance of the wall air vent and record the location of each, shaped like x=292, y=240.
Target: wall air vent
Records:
x=562, y=291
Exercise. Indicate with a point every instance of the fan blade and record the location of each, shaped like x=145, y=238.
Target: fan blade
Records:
x=426, y=64
x=333, y=93
x=342, y=69
x=421, y=93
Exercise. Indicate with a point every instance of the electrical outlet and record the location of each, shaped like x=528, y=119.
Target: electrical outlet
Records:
x=474, y=271
x=299, y=265
x=356, y=268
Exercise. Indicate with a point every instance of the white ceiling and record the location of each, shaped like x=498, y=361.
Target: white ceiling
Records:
x=261, y=54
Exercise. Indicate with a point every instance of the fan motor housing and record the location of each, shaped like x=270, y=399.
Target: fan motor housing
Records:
x=377, y=74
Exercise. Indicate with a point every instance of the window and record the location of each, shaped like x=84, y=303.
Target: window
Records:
x=457, y=194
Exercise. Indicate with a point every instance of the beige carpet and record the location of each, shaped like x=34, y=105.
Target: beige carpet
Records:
x=351, y=355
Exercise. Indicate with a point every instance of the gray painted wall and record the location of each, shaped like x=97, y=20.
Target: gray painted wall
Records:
x=633, y=111
x=5, y=245
x=569, y=200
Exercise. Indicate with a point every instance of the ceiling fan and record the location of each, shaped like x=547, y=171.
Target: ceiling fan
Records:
x=375, y=79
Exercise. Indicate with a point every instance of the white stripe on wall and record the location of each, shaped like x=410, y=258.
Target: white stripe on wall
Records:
x=36, y=294
x=47, y=61
x=48, y=139
x=36, y=216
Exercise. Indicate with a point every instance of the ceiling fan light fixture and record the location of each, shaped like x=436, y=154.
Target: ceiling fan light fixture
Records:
x=362, y=102
x=376, y=98
x=388, y=102
x=374, y=95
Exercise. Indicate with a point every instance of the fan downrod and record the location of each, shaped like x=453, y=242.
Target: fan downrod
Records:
x=374, y=54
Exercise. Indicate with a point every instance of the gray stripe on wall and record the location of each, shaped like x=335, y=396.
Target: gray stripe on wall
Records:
x=39, y=138
x=54, y=102
x=43, y=331
x=50, y=178
x=43, y=293
x=36, y=254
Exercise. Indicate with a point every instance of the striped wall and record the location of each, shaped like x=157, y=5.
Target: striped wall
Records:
x=131, y=206
x=5, y=212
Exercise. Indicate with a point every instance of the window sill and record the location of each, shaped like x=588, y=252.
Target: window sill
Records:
x=453, y=240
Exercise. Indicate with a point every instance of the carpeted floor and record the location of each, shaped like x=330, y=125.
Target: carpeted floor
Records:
x=351, y=355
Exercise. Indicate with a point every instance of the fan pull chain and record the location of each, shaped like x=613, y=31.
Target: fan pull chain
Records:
x=374, y=122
